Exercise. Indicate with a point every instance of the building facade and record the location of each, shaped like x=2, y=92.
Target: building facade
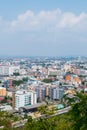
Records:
x=25, y=98
x=41, y=93
x=8, y=69
x=56, y=93
x=3, y=92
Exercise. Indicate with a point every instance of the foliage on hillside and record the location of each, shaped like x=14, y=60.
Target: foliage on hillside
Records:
x=75, y=119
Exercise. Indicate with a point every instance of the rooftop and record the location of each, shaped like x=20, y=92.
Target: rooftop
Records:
x=33, y=106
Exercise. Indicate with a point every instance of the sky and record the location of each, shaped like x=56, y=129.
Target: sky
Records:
x=43, y=27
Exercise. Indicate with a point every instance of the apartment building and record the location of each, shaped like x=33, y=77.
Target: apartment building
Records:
x=8, y=69
x=56, y=93
x=41, y=93
x=25, y=98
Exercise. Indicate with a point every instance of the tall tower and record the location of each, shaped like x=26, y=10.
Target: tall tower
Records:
x=13, y=100
x=10, y=83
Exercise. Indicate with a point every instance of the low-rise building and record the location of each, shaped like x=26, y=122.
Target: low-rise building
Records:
x=3, y=92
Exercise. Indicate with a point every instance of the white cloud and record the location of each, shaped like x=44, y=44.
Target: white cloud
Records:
x=31, y=33
x=45, y=21
x=30, y=21
x=70, y=19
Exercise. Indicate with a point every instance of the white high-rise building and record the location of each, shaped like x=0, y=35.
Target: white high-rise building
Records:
x=4, y=70
x=25, y=98
x=8, y=69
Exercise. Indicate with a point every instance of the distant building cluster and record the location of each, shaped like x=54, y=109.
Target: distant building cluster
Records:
x=8, y=70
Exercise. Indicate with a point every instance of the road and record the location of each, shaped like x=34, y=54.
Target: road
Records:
x=62, y=111
x=59, y=112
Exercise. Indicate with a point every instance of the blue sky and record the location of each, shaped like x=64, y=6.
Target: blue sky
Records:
x=43, y=28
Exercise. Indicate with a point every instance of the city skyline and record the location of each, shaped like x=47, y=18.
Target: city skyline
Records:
x=43, y=28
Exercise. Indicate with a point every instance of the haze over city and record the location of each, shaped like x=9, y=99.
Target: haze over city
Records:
x=43, y=65
x=43, y=28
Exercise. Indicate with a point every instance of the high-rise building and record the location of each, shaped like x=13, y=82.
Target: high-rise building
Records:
x=56, y=93
x=25, y=98
x=8, y=69
x=41, y=93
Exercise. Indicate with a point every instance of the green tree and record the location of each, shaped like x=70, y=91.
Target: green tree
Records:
x=17, y=82
x=25, y=116
x=64, y=123
x=42, y=109
x=15, y=118
x=79, y=112
x=25, y=79
x=31, y=124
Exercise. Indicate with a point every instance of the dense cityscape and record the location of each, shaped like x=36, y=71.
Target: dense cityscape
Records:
x=29, y=85
x=43, y=65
